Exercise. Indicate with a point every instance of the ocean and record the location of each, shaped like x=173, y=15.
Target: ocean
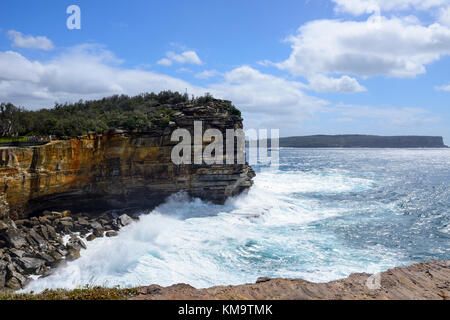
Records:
x=322, y=215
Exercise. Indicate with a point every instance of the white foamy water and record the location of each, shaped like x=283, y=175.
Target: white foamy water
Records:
x=271, y=231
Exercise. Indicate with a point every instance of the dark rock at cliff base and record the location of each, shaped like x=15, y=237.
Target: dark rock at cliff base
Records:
x=98, y=233
x=111, y=234
x=125, y=220
x=3, y=226
x=73, y=254
x=31, y=265
x=14, y=238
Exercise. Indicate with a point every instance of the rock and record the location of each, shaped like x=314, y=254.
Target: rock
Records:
x=49, y=260
x=90, y=237
x=14, y=284
x=17, y=253
x=75, y=243
x=11, y=224
x=66, y=213
x=262, y=279
x=2, y=279
x=44, y=231
x=1, y=253
x=14, y=238
x=15, y=280
x=32, y=265
x=44, y=220
x=110, y=234
x=51, y=232
x=56, y=255
x=73, y=254
x=125, y=220
x=36, y=237
x=78, y=170
x=97, y=233
x=83, y=222
x=3, y=226
x=96, y=225
x=56, y=214
x=65, y=226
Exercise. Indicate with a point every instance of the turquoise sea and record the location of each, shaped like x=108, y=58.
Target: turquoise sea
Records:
x=322, y=215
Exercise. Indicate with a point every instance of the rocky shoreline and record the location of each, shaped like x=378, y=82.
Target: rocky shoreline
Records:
x=38, y=245
x=421, y=281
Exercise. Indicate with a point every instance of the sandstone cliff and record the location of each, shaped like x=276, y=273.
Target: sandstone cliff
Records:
x=117, y=169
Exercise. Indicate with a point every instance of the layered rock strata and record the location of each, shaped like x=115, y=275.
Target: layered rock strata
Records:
x=117, y=169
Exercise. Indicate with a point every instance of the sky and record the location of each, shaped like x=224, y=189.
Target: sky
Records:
x=301, y=66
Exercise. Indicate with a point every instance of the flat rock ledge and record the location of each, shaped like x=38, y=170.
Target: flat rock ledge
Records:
x=421, y=281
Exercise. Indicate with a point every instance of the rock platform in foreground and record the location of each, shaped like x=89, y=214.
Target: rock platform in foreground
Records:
x=428, y=280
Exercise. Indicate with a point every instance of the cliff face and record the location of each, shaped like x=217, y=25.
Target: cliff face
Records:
x=117, y=169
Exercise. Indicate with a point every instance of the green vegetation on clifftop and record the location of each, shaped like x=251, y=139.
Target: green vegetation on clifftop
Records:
x=117, y=112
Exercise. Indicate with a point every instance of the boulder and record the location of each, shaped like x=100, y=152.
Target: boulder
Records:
x=31, y=265
x=73, y=254
x=75, y=243
x=14, y=238
x=56, y=255
x=98, y=233
x=2, y=279
x=51, y=232
x=125, y=220
x=36, y=237
x=3, y=226
x=90, y=237
x=13, y=283
x=44, y=231
x=96, y=225
x=66, y=213
x=49, y=260
x=110, y=234
x=17, y=253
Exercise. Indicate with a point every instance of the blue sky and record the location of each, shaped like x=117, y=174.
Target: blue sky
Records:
x=305, y=67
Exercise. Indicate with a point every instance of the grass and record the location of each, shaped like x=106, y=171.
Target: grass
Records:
x=86, y=293
x=13, y=139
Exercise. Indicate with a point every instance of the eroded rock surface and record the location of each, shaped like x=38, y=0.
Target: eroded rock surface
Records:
x=429, y=280
x=117, y=169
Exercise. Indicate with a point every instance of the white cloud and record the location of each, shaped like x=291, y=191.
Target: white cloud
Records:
x=271, y=101
x=396, y=47
x=206, y=74
x=387, y=117
x=186, y=57
x=83, y=72
x=165, y=62
x=344, y=84
x=359, y=7
x=267, y=101
x=87, y=72
x=443, y=88
x=29, y=42
x=444, y=16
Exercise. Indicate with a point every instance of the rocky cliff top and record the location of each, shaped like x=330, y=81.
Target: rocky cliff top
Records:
x=148, y=111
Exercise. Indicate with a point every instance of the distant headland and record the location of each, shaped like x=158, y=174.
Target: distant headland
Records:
x=362, y=141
